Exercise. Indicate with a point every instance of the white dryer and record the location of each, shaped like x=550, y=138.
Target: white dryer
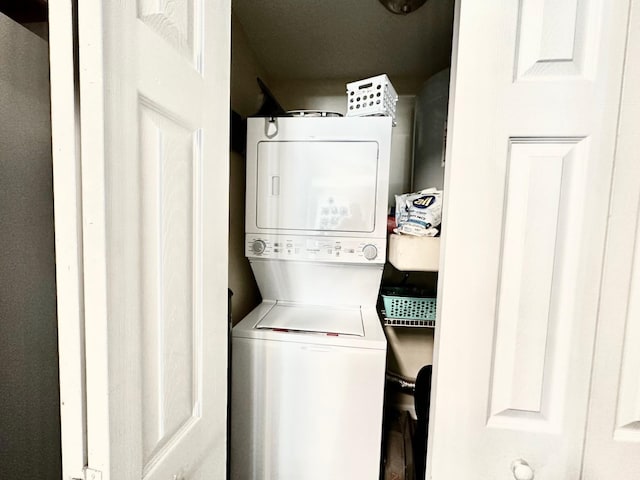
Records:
x=308, y=363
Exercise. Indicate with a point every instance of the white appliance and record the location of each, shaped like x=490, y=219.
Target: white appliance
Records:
x=308, y=363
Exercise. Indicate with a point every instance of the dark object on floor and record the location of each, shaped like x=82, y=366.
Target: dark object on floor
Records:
x=398, y=448
x=422, y=399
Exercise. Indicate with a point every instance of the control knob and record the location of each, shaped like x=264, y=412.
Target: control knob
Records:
x=258, y=247
x=370, y=252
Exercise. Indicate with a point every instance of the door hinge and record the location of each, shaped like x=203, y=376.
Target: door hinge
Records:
x=90, y=474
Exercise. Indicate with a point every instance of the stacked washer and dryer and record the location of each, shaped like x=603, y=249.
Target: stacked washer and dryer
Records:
x=308, y=363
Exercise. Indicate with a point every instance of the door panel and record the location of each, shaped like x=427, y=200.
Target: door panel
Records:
x=154, y=83
x=627, y=424
x=169, y=155
x=175, y=23
x=545, y=184
x=612, y=448
x=556, y=38
x=530, y=152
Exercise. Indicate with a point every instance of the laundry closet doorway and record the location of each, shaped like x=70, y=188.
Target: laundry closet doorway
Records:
x=535, y=94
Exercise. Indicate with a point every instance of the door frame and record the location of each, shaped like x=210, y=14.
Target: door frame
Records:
x=67, y=187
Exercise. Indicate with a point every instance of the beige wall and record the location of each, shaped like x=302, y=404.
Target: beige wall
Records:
x=245, y=100
x=245, y=93
x=29, y=394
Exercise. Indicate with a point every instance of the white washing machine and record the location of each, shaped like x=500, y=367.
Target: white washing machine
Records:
x=308, y=364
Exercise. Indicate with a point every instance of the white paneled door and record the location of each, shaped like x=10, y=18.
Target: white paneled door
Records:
x=536, y=91
x=612, y=447
x=153, y=206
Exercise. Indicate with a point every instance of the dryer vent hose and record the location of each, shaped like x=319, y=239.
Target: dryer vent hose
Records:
x=400, y=382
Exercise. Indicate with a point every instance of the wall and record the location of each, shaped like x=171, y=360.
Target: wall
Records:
x=245, y=100
x=29, y=395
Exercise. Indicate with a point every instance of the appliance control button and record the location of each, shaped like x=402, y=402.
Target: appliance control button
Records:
x=370, y=252
x=258, y=247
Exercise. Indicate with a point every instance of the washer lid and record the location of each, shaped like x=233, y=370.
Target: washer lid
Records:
x=308, y=318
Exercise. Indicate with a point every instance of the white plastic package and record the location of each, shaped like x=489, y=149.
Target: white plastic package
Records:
x=419, y=213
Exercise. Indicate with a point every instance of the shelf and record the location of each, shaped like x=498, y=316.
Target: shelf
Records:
x=406, y=322
x=416, y=254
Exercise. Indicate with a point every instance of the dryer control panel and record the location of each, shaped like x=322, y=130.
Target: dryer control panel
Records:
x=315, y=248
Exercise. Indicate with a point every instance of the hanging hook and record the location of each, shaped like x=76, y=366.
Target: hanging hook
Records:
x=270, y=123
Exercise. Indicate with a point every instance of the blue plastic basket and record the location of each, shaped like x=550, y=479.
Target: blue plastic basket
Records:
x=416, y=308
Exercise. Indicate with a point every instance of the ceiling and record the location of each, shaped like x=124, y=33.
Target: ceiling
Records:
x=331, y=39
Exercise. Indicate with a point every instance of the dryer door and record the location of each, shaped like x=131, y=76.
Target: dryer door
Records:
x=317, y=185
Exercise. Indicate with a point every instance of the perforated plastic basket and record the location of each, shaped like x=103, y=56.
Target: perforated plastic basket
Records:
x=409, y=307
x=372, y=96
